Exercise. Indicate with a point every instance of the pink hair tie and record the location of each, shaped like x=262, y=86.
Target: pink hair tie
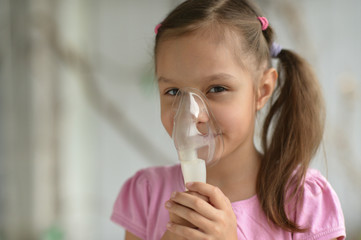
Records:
x=157, y=28
x=264, y=22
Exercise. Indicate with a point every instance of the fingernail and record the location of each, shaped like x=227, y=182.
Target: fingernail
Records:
x=169, y=225
x=189, y=184
x=173, y=194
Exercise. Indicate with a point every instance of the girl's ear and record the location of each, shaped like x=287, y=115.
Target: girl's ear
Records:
x=266, y=87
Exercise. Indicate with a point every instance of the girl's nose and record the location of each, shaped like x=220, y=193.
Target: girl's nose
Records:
x=203, y=116
x=202, y=122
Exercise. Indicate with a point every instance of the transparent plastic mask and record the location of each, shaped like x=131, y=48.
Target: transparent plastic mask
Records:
x=196, y=135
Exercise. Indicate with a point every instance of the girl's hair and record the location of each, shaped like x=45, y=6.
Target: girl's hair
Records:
x=293, y=127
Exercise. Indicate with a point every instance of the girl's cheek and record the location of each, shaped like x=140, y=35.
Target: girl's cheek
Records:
x=220, y=115
x=167, y=121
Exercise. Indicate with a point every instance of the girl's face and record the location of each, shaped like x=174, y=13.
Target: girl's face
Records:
x=193, y=61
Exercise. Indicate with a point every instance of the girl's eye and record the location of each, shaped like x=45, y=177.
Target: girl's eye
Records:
x=172, y=92
x=217, y=89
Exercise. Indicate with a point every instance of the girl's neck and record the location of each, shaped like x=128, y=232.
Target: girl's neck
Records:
x=236, y=175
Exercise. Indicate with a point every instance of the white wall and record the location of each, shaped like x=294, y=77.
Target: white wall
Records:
x=96, y=121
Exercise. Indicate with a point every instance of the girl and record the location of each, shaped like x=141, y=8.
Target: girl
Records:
x=224, y=48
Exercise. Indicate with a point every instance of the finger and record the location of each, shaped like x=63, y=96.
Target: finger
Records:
x=192, y=216
x=196, y=204
x=205, y=198
x=215, y=195
x=178, y=220
x=185, y=232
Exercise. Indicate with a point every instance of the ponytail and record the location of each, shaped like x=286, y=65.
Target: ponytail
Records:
x=291, y=135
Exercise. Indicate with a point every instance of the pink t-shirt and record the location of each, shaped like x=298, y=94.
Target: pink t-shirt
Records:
x=139, y=208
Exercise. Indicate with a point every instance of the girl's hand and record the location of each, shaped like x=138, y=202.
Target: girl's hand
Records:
x=175, y=219
x=210, y=220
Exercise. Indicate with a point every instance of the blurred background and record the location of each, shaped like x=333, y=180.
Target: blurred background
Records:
x=79, y=110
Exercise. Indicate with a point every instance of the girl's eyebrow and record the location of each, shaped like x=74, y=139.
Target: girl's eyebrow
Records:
x=165, y=80
x=211, y=78
x=220, y=76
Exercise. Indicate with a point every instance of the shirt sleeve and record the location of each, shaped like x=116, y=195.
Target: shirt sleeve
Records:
x=132, y=205
x=320, y=211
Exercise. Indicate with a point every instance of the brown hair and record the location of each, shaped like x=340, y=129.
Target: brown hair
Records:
x=293, y=127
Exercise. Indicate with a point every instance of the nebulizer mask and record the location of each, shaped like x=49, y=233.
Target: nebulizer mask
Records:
x=196, y=135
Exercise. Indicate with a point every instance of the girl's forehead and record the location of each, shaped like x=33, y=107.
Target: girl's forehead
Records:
x=193, y=51
x=194, y=59
x=198, y=50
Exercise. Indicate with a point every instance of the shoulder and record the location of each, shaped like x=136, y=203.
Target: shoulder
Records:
x=157, y=175
x=159, y=171
x=153, y=179
x=138, y=205
x=319, y=192
x=320, y=209
x=316, y=183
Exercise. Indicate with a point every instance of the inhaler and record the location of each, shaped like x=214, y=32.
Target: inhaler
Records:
x=196, y=135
